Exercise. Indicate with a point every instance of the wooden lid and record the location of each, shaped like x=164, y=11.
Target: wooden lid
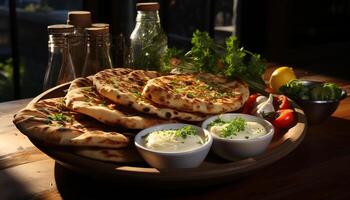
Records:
x=79, y=18
x=151, y=6
x=97, y=30
x=60, y=28
x=100, y=25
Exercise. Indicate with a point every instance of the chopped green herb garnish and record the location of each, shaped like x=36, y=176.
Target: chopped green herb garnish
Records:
x=190, y=95
x=186, y=131
x=58, y=117
x=234, y=126
x=179, y=90
x=216, y=122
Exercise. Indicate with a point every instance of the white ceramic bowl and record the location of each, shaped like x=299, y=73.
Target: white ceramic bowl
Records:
x=173, y=160
x=233, y=149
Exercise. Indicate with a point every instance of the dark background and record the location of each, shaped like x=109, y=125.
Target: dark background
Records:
x=307, y=34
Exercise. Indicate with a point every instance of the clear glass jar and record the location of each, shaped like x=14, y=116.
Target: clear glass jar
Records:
x=80, y=20
x=98, y=51
x=60, y=67
x=148, y=42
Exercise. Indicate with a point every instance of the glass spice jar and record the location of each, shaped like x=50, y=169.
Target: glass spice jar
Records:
x=148, y=41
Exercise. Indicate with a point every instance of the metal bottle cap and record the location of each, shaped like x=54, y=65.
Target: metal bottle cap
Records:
x=79, y=18
x=151, y=6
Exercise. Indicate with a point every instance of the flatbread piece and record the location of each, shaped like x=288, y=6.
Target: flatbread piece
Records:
x=203, y=93
x=51, y=122
x=82, y=98
x=124, y=86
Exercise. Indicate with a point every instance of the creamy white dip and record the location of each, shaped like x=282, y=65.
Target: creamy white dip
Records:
x=169, y=141
x=252, y=130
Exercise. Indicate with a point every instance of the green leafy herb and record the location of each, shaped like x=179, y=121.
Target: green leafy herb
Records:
x=175, y=59
x=327, y=91
x=204, y=52
x=58, y=117
x=190, y=95
x=235, y=125
x=186, y=131
x=297, y=89
x=217, y=121
x=136, y=93
x=242, y=63
x=232, y=61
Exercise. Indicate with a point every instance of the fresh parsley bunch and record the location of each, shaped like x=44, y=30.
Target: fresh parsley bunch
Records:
x=232, y=61
x=243, y=64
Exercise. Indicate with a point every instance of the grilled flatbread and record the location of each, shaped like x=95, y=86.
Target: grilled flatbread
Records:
x=111, y=155
x=82, y=98
x=51, y=122
x=203, y=93
x=124, y=86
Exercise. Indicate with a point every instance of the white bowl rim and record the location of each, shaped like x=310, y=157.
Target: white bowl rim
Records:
x=212, y=118
x=138, y=139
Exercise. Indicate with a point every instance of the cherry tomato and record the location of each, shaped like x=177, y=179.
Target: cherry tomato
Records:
x=284, y=118
x=281, y=102
x=249, y=104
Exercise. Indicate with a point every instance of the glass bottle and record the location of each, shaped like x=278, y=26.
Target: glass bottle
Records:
x=60, y=68
x=108, y=38
x=116, y=45
x=103, y=25
x=148, y=42
x=97, y=54
x=80, y=20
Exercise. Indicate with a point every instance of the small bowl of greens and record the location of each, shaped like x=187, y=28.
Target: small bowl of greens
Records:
x=237, y=136
x=319, y=100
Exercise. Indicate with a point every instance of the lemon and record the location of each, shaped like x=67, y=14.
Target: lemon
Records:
x=280, y=77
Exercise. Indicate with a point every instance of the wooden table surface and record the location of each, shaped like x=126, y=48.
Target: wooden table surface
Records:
x=318, y=169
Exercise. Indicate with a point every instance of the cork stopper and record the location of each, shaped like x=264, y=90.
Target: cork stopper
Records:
x=79, y=18
x=95, y=31
x=60, y=28
x=151, y=6
x=100, y=25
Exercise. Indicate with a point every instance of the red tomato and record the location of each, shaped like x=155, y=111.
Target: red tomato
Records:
x=249, y=104
x=284, y=118
x=281, y=102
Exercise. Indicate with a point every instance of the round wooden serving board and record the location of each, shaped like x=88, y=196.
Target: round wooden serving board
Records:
x=212, y=171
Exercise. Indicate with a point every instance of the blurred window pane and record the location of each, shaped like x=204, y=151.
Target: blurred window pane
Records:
x=6, y=90
x=33, y=18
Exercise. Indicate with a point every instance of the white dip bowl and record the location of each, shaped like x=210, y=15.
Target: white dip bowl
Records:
x=233, y=149
x=173, y=160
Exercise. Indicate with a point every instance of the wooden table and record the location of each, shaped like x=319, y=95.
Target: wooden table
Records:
x=318, y=168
